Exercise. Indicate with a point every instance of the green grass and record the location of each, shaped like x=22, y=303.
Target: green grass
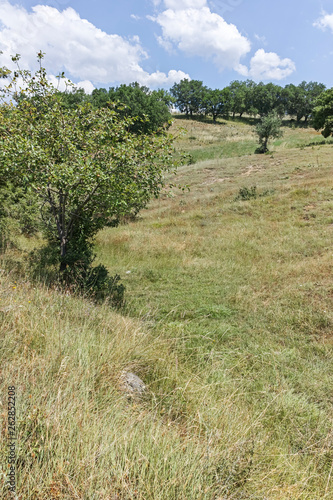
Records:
x=228, y=321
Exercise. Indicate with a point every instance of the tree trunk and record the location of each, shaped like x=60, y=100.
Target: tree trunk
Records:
x=63, y=248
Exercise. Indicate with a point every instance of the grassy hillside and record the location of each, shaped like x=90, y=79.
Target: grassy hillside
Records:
x=228, y=321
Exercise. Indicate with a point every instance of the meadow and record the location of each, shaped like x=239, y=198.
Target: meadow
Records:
x=228, y=321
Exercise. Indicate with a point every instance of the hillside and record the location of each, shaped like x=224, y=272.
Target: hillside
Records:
x=228, y=321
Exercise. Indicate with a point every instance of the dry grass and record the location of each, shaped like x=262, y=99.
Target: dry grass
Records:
x=229, y=323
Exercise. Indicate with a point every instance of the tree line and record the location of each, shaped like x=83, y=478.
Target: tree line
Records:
x=152, y=109
x=192, y=97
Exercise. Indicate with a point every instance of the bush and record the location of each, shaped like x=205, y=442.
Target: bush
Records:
x=247, y=193
x=80, y=277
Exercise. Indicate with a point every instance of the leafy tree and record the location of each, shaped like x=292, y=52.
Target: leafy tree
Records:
x=84, y=165
x=295, y=101
x=302, y=98
x=74, y=98
x=242, y=97
x=151, y=108
x=250, y=87
x=216, y=102
x=100, y=98
x=189, y=95
x=267, y=98
x=237, y=95
x=267, y=128
x=323, y=113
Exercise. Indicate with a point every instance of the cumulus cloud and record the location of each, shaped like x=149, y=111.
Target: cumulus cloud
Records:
x=191, y=27
x=268, y=66
x=324, y=22
x=76, y=46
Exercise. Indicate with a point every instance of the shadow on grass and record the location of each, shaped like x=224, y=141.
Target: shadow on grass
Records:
x=322, y=142
x=201, y=119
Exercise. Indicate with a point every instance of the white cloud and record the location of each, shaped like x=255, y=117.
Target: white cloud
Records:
x=74, y=45
x=268, y=66
x=200, y=32
x=86, y=85
x=324, y=22
x=185, y=4
x=181, y=4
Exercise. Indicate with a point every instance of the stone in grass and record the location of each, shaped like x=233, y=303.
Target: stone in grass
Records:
x=131, y=384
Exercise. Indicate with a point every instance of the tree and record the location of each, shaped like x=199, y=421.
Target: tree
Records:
x=75, y=97
x=189, y=95
x=302, y=98
x=84, y=165
x=216, y=102
x=237, y=95
x=323, y=113
x=267, y=128
x=267, y=98
x=151, y=108
x=249, y=97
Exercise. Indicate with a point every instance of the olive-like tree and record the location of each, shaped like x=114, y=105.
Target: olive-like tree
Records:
x=84, y=165
x=269, y=127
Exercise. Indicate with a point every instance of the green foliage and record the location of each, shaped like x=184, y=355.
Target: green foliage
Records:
x=74, y=98
x=85, y=166
x=267, y=98
x=301, y=99
x=149, y=108
x=246, y=193
x=237, y=91
x=19, y=212
x=267, y=128
x=216, y=102
x=95, y=282
x=189, y=96
x=323, y=113
x=192, y=97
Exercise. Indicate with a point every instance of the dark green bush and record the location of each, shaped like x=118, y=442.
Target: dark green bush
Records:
x=246, y=193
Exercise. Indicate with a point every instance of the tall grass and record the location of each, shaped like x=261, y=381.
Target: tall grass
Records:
x=229, y=323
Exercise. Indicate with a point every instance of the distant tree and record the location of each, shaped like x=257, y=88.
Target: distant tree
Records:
x=301, y=99
x=268, y=128
x=150, y=108
x=237, y=97
x=250, y=88
x=84, y=165
x=323, y=113
x=216, y=102
x=189, y=95
x=99, y=98
x=74, y=97
x=267, y=98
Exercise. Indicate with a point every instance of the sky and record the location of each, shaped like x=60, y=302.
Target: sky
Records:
x=104, y=43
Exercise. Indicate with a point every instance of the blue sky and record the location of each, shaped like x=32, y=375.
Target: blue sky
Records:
x=159, y=42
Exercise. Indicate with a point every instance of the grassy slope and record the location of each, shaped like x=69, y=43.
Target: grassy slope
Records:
x=229, y=321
